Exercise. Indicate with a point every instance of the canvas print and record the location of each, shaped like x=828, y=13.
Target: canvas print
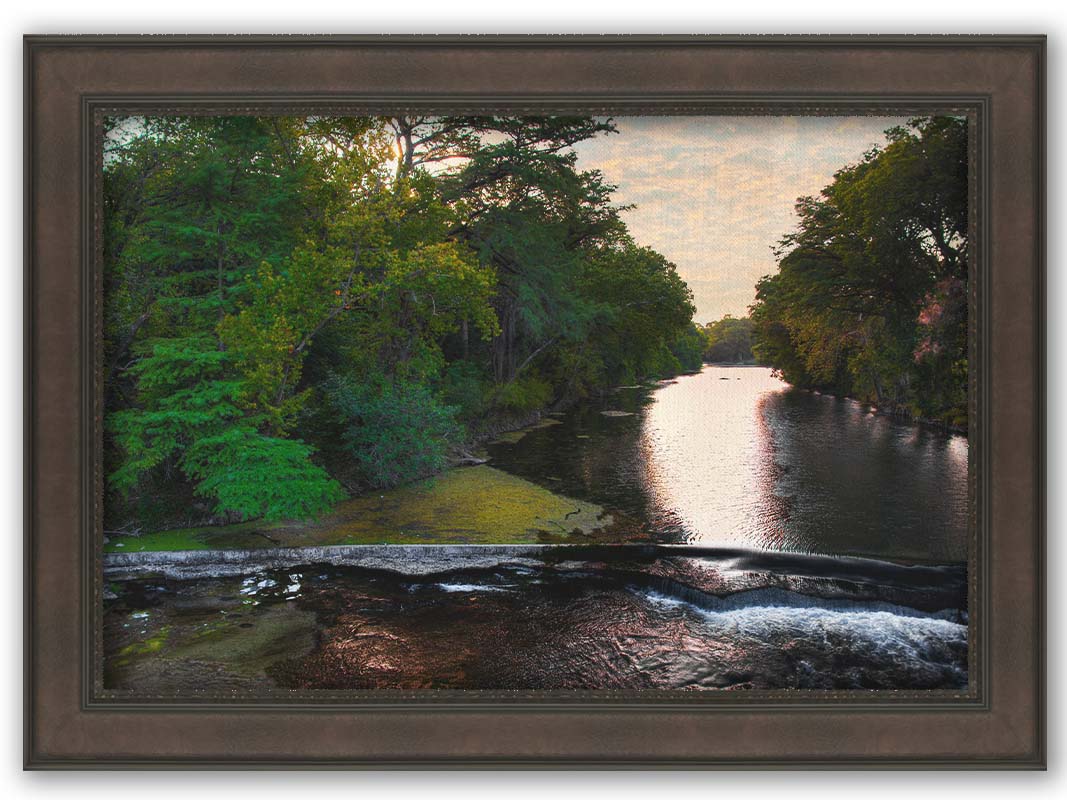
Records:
x=535, y=404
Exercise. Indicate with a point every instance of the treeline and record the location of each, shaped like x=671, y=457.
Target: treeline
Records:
x=728, y=341
x=300, y=308
x=870, y=297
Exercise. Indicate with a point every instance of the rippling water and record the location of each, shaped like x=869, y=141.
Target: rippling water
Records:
x=735, y=457
x=557, y=626
x=758, y=476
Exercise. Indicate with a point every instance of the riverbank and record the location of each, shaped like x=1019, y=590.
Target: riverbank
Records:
x=463, y=505
x=468, y=502
x=900, y=414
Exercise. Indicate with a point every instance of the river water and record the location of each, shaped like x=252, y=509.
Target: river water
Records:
x=735, y=457
x=778, y=540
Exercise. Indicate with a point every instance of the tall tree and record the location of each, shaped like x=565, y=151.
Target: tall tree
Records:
x=296, y=304
x=214, y=215
x=870, y=296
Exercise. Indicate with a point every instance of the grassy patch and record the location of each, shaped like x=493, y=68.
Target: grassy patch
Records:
x=184, y=539
x=245, y=534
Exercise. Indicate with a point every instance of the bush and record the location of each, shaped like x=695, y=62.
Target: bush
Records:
x=394, y=431
x=523, y=395
x=254, y=476
x=467, y=387
x=660, y=363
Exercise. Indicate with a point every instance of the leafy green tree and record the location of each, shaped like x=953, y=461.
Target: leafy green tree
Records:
x=395, y=431
x=643, y=308
x=688, y=348
x=523, y=207
x=215, y=211
x=869, y=298
x=728, y=340
x=294, y=304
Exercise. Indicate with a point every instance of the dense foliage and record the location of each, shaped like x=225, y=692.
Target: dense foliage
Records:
x=870, y=297
x=297, y=308
x=728, y=341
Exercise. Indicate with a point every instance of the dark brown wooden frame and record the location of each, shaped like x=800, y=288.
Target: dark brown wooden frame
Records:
x=997, y=81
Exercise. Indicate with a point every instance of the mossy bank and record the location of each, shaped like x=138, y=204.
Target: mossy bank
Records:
x=466, y=505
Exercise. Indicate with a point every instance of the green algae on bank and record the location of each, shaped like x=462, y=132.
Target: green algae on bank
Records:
x=227, y=645
x=149, y=645
x=466, y=505
x=512, y=437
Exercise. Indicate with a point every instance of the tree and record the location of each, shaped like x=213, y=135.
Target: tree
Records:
x=728, y=340
x=529, y=214
x=869, y=298
x=297, y=304
x=213, y=221
x=642, y=309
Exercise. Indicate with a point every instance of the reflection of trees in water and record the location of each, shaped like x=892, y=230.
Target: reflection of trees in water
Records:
x=865, y=483
x=735, y=457
x=773, y=510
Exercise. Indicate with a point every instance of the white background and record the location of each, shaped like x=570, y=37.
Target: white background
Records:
x=503, y=16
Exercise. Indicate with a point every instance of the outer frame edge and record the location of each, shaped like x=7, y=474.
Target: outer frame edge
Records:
x=37, y=760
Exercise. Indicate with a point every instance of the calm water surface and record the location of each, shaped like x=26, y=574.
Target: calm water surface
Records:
x=735, y=457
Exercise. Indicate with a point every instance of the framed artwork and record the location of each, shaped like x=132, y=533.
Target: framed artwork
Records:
x=535, y=401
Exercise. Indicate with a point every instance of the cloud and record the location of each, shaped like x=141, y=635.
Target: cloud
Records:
x=715, y=194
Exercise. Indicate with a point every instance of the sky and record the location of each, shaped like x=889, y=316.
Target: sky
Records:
x=716, y=194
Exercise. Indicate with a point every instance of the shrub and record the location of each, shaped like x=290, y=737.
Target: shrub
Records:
x=254, y=476
x=523, y=395
x=394, y=431
x=465, y=386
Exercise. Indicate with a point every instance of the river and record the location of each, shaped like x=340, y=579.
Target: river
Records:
x=735, y=457
x=778, y=540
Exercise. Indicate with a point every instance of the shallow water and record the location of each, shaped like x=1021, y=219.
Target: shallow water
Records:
x=567, y=625
x=735, y=457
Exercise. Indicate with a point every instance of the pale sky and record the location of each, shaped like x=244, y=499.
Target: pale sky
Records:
x=715, y=194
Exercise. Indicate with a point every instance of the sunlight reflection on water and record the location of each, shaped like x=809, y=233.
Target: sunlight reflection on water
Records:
x=733, y=456
x=711, y=456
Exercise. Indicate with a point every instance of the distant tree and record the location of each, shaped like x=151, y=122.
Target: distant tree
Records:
x=728, y=341
x=642, y=309
x=688, y=348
